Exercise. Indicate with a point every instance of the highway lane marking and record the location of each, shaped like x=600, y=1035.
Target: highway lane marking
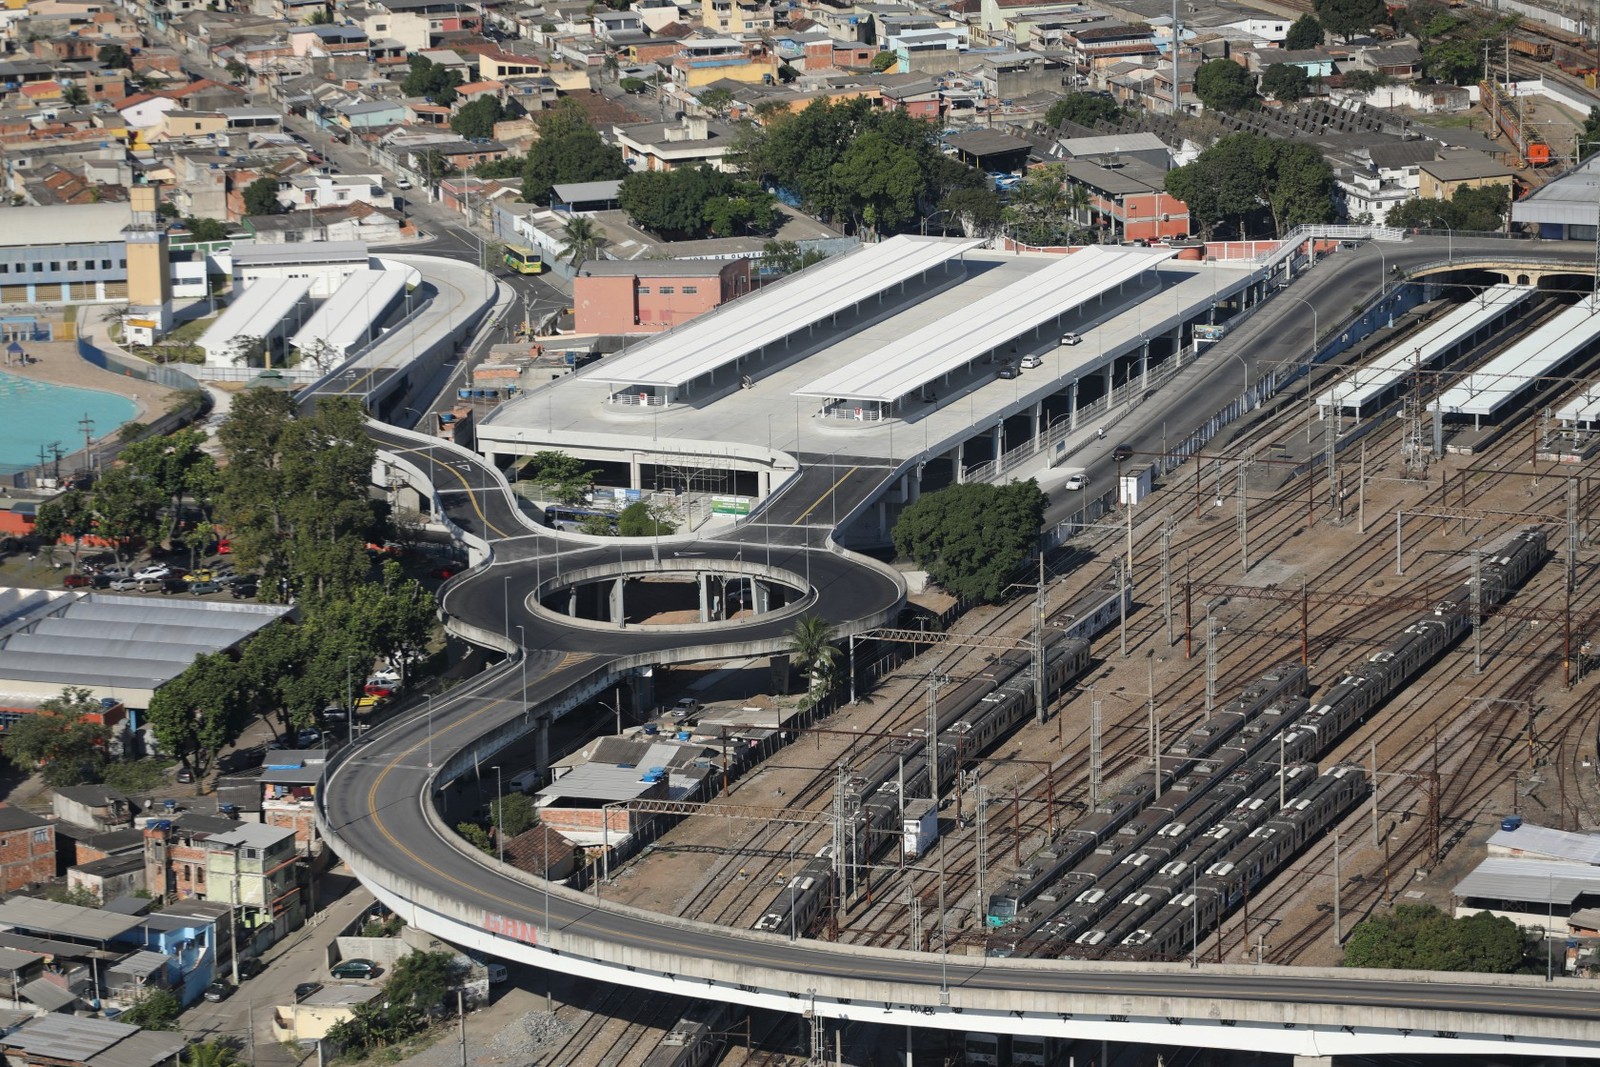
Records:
x=798, y=519
x=465, y=485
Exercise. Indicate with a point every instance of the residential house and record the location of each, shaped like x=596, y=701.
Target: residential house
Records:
x=703, y=60
x=500, y=66
x=328, y=41
x=737, y=17
x=98, y=807
x=442, y=16
x=175, y=854
x=334, y=190
x=542, y=852
x=614, y=297
x=693, y=141
x=68, y=1041
x=27, y=850
x=1316, y=62
x=178, y=124
x=917, y=95
x=109, y=878
x=1381, y=175
x=289, y=784
x=609, y=25
x=255, y=867
x=369, y=114
x=1402, y=62
x=1129, y=200
x=1092, y=47
x=311, y=1017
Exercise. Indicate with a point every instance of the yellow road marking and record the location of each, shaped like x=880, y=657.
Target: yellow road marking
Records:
x=825, y=494
x=466, y=486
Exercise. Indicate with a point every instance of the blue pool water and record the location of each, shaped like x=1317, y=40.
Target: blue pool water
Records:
x=34, y=414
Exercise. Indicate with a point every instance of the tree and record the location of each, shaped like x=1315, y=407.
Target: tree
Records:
x=200, y=712
x=1305, y=33
x=633, y=86
x=206, y=229
x=786, y=257
x=1246, y=179
x=1420, y=937
x=568, y=150
x=75, y=95
x=261, y=197
x=880, y=181
x=1286, y=82
x=213, y=1053
x=581, y=236
x=1347, y=18
x=565, y=478
x=1589, y=138
x=972, y=538
x=127, y=510
x=1044, y=207
x=113, y=56
x=1365, y=81
x=640, y=519
x=883, y=61
x=512, y=814
x=690, y=202
x=1480, y=208
x=320, y=17
x=716, y=100
x=1084, y=109
x=476, y=836
x=1456, y=60
x=171, y=470
x=812, y=649
x=396, y=615
x=477, y=119
x=432, y=81
x=977, y=210
x=66, y=516
x=1223, y=85
x=155, y=1009
x=236, y=70
x=59, y=739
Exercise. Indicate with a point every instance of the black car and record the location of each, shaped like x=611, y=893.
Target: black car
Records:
x=250, y=966
x=218, y=991
x=1006, y=371
x=244, y=588
x=305, y=989
x=1122, y=452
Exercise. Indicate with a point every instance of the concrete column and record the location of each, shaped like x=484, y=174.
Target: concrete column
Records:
x=541, y=743
x=903, y=488
x=1144, y=366
x=960, y=459
x=762, y=595
x=619, y=613
x=765, y=488
x=915, y=491
x=883, y=517
x=633, y=472
x=705, y=597
x=1038, y=423
x=1072, y=405
x=999, y=443
x=1313, y=1061
x=1111, y=376
x=572, y=602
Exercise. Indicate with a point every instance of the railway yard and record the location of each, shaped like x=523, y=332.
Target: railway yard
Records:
x=1241, y=564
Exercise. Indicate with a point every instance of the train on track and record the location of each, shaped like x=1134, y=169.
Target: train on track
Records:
x=970, y=719
x=1234, y=800
x=698, y=1037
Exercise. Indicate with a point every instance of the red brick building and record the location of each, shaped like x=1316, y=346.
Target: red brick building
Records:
x=648, y=296
x=27, y=849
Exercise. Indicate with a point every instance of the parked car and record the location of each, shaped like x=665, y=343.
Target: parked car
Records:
x=172, y=585
x=185, y=776
x=244, y=588
x=355, y=968
x=153, y=573
x=403, y=183
x=202, y=575
x=203, y=588
x=380, y=689
x=366, y=704
x=307, y=737
x=685, y=706
x=1030, y=362
x=113, y=571
x=1071, y=339
x=77, y=581
x=218, y=991
x=125, y=584
x=305, y=989
x=249, y=966
x=384, y=676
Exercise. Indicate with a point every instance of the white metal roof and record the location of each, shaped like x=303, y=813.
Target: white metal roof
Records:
x=1585, y=407
x=1550, y=843
x=63, y=224
x=345, y=319
x=1485, y=390
x=255, y=254
x=1536, y=881
x=256, y=313
x=716, y=339
x=1365, y=383
x=945, y=344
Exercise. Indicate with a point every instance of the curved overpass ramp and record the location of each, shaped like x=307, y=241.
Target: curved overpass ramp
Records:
x=377, y=812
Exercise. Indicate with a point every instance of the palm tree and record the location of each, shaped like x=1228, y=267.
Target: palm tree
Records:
x=213, y=1053
x=811, y=645
x=582, y=237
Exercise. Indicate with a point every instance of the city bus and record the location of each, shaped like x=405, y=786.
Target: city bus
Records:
x=524, y=260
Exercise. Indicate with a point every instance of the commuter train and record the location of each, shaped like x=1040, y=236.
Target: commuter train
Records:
x=971, y=718
x=1128, y=859
x=696, y=1039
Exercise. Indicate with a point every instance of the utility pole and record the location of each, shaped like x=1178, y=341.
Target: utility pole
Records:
x=1338, y=914
x=1211, y=660
x=1041, y=710
x=1155, y=727
x=1096, y=756
x=1123, y=580
x=1166, y=578
x=1361, y=491
x=983, y=834
x=1244, y=524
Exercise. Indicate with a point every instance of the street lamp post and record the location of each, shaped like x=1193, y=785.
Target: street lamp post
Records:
x=500, y=820
x=430, y=731
x=522, y=647
x=1449, y=238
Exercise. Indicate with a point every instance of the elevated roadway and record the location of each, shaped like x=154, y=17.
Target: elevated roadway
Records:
x=377, y=812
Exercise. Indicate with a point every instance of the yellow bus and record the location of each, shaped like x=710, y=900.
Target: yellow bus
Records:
x=524, y=260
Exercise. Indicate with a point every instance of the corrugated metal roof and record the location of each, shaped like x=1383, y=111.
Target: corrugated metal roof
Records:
x=597, y=781
x=47, y=995
x=1548, y=841
x=68, y=920
x=1535, y=881
x=1487, y=389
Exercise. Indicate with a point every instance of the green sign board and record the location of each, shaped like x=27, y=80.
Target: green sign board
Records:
x=730, y=505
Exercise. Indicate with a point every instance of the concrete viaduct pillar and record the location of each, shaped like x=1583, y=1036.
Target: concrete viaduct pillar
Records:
x=705, y=597
x=619, y=612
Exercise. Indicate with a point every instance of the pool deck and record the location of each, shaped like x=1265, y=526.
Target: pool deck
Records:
x=60, y=364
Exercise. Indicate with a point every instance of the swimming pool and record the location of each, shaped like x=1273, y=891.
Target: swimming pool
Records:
x=35, y=414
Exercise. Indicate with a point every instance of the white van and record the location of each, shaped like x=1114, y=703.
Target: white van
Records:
x=523, y=781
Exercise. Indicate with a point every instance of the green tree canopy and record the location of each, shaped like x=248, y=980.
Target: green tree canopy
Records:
x=512, y=814
x=568, y=150
x=69, y=516
x=431, y=80
x=1589, y=138
x=156, y=1009
x=1365, y=81
x=813, y=651
x=171, y=470
x=786, y=257
x=691, y=202
x=1420, y=937
x=75, y=95
x=972, y=538
x=477, y=119
x=261, y=197
x=1254, y=183
x=206, y=229
x=59, y=740
x=214, y=1053
x=1085, y=109
x=977, y=210
x=640, y=519
x=113, y=56
x=1348, y=18
x=1472, y=207
x=1286, y=82
x=633, y=86
x=201, y=711
x=127, y=510
x=883, y=61
x=1305, y=33
x=566, y=479
x=1223, y=85
x=1044, y=207
x=582, y=236
x=1457, y=60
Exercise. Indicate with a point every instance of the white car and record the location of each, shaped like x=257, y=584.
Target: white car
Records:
x=1030, y=362
x=403, y=183
x=154, y=573
x=1071, y=339
x=122, y=585
x=1075, y=482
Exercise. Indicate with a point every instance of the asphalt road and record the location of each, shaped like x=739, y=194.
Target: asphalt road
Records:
x=372, y=797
